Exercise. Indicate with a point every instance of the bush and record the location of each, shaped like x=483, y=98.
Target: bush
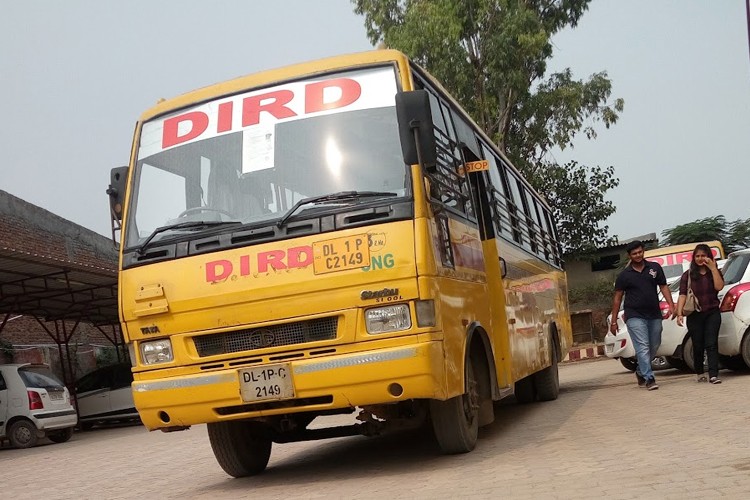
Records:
x=594, y=294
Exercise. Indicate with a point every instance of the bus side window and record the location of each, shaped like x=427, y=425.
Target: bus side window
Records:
x=527, y=202
x=554, y=242
x=515, y=203
x=498, y=195
x=447, y=186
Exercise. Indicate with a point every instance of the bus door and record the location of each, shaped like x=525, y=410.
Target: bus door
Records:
x=482, y=187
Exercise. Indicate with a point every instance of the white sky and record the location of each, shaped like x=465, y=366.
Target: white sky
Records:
x=75, y=75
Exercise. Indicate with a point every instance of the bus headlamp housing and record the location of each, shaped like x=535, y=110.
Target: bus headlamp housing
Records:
x=388, y=319
x=157, y=351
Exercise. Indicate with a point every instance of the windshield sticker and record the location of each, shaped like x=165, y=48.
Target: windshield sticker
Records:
x=262, y=109
x=257, y=149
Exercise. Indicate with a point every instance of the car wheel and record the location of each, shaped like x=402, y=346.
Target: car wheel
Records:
x=61, y=436
x=455, y=422
x=676, y=363
x=629, y=363
x=745, y=348
x=241, y=448
x=734, y=363
x=687, y=354
x=23, y=434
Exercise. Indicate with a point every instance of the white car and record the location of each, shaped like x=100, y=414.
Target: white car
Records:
x=104, y=395
x=669, y=354
x=34, y=404
x=734, y=334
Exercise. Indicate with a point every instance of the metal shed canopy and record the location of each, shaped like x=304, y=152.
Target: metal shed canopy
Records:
x=53, y=269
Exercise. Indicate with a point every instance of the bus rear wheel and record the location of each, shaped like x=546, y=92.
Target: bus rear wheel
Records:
x=547, y=381
x=241, y=448
x=455, y=422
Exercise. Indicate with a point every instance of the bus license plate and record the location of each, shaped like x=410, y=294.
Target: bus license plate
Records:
x=340, y=254
x=266, y=382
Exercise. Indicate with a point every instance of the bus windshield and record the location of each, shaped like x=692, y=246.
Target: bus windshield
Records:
x=277, y=151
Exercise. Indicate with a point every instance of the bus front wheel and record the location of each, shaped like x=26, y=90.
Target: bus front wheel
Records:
x=241, y=448
x=455, y=422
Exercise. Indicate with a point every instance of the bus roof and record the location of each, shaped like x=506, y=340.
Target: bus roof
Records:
x=272, y=76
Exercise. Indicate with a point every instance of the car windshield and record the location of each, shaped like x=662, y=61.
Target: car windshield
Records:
x=672, y=271
x=735, y=267
x=40, y=377
x=248, y=158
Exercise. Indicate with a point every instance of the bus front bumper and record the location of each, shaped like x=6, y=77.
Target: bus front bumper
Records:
x=320, y=384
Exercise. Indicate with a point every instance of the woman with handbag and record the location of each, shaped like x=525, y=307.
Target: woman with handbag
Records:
x=699, y=301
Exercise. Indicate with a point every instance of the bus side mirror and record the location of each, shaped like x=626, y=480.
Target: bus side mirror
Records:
x=118, y=177
x=416, y=129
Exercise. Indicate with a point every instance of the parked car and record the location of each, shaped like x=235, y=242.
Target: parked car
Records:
x=34, y=404
x=620, y=346
x=734, y=334
x=104, y=395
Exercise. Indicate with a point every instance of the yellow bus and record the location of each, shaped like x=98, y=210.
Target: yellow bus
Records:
x=676, y=259
x=334, y=237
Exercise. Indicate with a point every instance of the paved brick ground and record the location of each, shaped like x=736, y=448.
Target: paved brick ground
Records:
x=604, y=438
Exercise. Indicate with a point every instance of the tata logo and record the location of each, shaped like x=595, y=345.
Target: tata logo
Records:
x=146, y=330
x=262, y=338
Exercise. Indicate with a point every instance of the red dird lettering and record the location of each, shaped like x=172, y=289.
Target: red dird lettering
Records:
x=293, y=258
x=280, y=104
x=197, y=121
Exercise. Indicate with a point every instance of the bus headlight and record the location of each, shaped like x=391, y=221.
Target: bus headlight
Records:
x=157, y=351
x=388, y=319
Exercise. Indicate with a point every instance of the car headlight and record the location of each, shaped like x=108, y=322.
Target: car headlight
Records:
x=156, y=351
x=388, y=319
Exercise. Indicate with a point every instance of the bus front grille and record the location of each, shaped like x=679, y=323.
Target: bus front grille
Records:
x=300, y=332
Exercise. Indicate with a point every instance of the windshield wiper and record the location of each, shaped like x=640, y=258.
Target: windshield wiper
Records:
x=181, y=225
x=326, y=198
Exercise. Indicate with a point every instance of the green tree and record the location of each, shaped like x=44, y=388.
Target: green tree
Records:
x=733, y=235
x=492, y=56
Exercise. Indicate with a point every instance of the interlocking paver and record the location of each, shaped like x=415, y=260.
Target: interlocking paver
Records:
x=603, y=438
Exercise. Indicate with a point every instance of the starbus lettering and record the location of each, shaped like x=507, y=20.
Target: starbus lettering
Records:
x=378, y=294
x=292, y=258
x=278, y=103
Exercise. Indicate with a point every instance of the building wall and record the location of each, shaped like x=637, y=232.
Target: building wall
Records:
x=580, y=272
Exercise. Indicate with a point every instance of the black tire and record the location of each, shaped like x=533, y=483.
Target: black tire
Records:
x=677, y=363
x=525, y=391
x=629, y=364
x=455, y=422
x=241, y=448
x=745, y=349
x=547, y=381
x=734, y=363
x=687, y=354
x=61, y=436
x=23, y=434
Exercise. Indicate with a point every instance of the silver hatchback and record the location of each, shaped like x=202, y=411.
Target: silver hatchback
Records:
x=34, y=404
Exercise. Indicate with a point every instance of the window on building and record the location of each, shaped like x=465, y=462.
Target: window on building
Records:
x=606, y=263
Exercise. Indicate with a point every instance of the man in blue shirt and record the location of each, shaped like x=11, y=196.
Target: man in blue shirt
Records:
x=639, y=282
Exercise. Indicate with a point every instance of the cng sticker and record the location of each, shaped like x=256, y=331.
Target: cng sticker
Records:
x=380, y=262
